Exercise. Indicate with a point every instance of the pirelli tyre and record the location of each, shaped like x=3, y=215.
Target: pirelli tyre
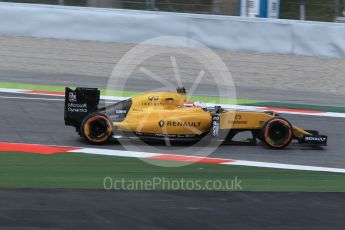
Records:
x=277, y=133
x=96, y=128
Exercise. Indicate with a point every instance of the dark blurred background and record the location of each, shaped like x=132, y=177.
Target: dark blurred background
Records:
x=314, y=10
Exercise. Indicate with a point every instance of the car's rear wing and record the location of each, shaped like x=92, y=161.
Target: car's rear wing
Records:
x=79, y=103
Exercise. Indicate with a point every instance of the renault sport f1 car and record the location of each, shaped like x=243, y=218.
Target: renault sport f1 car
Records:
x=165, y=115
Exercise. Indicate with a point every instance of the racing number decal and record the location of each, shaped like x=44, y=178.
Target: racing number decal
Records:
x=215, y=125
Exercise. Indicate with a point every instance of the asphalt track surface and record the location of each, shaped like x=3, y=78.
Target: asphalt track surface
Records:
x=95, y=209
x=39, y=119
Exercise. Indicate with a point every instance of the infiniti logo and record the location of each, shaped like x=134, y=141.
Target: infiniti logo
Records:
x=161, y=123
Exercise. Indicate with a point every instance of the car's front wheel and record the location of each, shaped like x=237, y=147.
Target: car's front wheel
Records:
x=277, y=133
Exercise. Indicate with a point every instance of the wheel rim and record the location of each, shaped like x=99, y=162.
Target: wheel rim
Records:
x=97, y=129
x=278, y=133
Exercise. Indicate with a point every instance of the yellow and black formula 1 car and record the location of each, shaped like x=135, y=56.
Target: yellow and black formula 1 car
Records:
x=165, y=115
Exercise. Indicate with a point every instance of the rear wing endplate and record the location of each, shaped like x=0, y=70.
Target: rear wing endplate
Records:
x=79, y=103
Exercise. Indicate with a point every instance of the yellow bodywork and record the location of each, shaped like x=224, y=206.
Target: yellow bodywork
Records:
x=243, y=120
x=249, y=120
x=165, y=113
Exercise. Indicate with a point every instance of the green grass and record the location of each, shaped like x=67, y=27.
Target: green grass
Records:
x=127, y=93
x=316, y=10
x=14, y=85
x=67, y=170
x=288, y=105
x=58, y=88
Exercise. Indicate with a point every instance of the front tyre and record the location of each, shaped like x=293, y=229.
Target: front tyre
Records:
x=97, y=128
x=277, y=133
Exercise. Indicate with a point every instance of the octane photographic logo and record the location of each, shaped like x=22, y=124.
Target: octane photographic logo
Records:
x=164, y=64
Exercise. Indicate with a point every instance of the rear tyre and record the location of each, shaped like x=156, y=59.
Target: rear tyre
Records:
x=277, y=133
x=96, y=128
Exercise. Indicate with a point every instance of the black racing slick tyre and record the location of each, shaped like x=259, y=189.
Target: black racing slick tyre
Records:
x=96, y=128
x=277, y=133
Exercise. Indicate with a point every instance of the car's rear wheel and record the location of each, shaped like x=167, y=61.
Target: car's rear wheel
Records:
x=97, y=128
x=277, y=133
